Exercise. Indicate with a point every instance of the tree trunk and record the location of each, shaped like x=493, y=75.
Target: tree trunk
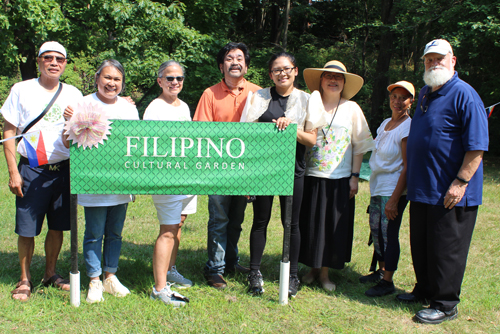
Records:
x=365, y=40
x=259, y=16
x=28, y=50
x=381, y=80
x=275, y=23
x=286, y=21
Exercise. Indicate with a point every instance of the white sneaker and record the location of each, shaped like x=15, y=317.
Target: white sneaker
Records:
x=177, y=280
x=95, y=292
x=169, y=297
x=113, y=286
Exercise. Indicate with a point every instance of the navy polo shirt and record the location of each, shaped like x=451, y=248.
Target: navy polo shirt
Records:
x=447, y=123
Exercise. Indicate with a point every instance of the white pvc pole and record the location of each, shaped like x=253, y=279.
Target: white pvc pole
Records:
x=74, y=289
x=74, y=275
x=284, y=281
x=285, y=259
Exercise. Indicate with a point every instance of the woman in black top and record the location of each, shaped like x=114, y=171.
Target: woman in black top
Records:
x=282, y=104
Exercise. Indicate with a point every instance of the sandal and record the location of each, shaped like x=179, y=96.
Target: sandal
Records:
x=19, y=291
x=57, y=282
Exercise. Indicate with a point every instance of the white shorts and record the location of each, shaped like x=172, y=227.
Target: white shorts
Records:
x=189, y=204
x=168, y=208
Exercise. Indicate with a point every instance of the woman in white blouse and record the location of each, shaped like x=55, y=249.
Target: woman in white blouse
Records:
x=105, y=213
x=332, y=174
x=388, y=187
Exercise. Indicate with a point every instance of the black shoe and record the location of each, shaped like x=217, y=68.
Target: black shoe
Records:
x=293, y=286
x=409, y=298
x=374, y=277
x=255, y=283
x=237, y=268
x=434, y=316
x=381, y=289
x=216, y=281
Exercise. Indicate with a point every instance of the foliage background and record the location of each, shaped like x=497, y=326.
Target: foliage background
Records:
x=381, y=40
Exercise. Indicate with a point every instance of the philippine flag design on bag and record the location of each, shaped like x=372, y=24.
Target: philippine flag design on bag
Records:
x=35, y=148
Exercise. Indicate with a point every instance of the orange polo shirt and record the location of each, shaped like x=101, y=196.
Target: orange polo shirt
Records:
x=219, y=104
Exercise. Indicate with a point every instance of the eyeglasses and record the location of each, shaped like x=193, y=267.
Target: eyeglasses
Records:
x=286, y=70
x=331, y=76
x=50, y=58
x=171, y=79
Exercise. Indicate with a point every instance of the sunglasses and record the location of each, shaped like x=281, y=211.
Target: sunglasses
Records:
x=50, y=58
x=424, y=101
x=171, y=79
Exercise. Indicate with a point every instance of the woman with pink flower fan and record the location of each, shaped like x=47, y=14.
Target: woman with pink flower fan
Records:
x=104, y=214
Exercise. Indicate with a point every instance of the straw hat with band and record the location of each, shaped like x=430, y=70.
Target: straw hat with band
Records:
x=352, y=84
x=402, y=84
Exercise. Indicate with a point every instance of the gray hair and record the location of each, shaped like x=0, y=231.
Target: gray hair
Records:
x=110, y=62
x=167, y=64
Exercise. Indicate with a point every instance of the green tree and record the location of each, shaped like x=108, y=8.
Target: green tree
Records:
x=25, y=25
x=140, y=34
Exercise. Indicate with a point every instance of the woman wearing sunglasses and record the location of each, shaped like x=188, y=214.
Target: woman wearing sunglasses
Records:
x=282, y=104
x=105, y=214
x=168, y=107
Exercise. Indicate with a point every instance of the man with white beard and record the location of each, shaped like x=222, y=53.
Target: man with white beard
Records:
x=448, y=135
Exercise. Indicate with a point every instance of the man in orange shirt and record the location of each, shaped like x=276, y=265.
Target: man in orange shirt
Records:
x=224, y=102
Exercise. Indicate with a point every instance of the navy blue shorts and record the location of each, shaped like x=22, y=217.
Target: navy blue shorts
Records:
x=46, y=193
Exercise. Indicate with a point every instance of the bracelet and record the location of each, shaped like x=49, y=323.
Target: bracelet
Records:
x=355, y=174
x=461, y=180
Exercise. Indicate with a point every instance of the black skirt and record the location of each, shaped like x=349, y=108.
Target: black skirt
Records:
x=326, y=223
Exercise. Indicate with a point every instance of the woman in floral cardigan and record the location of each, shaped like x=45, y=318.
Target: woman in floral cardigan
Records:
x=332, y=173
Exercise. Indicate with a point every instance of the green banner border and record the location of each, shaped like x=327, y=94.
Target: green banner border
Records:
x=242, y=159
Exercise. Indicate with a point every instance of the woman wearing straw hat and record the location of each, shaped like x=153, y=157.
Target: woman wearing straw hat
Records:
x=332, y=174
x=388, y=187
x=282, y=104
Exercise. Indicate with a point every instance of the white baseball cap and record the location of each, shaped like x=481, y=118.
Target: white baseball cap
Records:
x=52, y=46
x=440, y=46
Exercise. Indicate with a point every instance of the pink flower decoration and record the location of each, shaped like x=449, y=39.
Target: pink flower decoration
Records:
x=88, y=126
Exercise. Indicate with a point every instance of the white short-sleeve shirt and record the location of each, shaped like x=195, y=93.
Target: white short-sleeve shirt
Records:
x=386, y=161
x=159, y=110
x=26, y=101
x=119, y=110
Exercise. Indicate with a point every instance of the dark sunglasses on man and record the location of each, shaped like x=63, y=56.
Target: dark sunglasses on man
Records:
x=50, y=58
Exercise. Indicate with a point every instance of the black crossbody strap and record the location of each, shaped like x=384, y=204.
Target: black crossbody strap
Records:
x=54, y=98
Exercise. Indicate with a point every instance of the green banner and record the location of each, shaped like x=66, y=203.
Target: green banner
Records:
x=198, y=158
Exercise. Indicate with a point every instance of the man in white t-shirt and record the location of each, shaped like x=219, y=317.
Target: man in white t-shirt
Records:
x=44, y=190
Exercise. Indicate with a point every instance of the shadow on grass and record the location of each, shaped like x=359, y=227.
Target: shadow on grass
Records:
x=10, y=270
x=136, y=272
x=349, y=287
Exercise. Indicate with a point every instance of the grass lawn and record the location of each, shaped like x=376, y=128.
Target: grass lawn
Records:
x=347, y=310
